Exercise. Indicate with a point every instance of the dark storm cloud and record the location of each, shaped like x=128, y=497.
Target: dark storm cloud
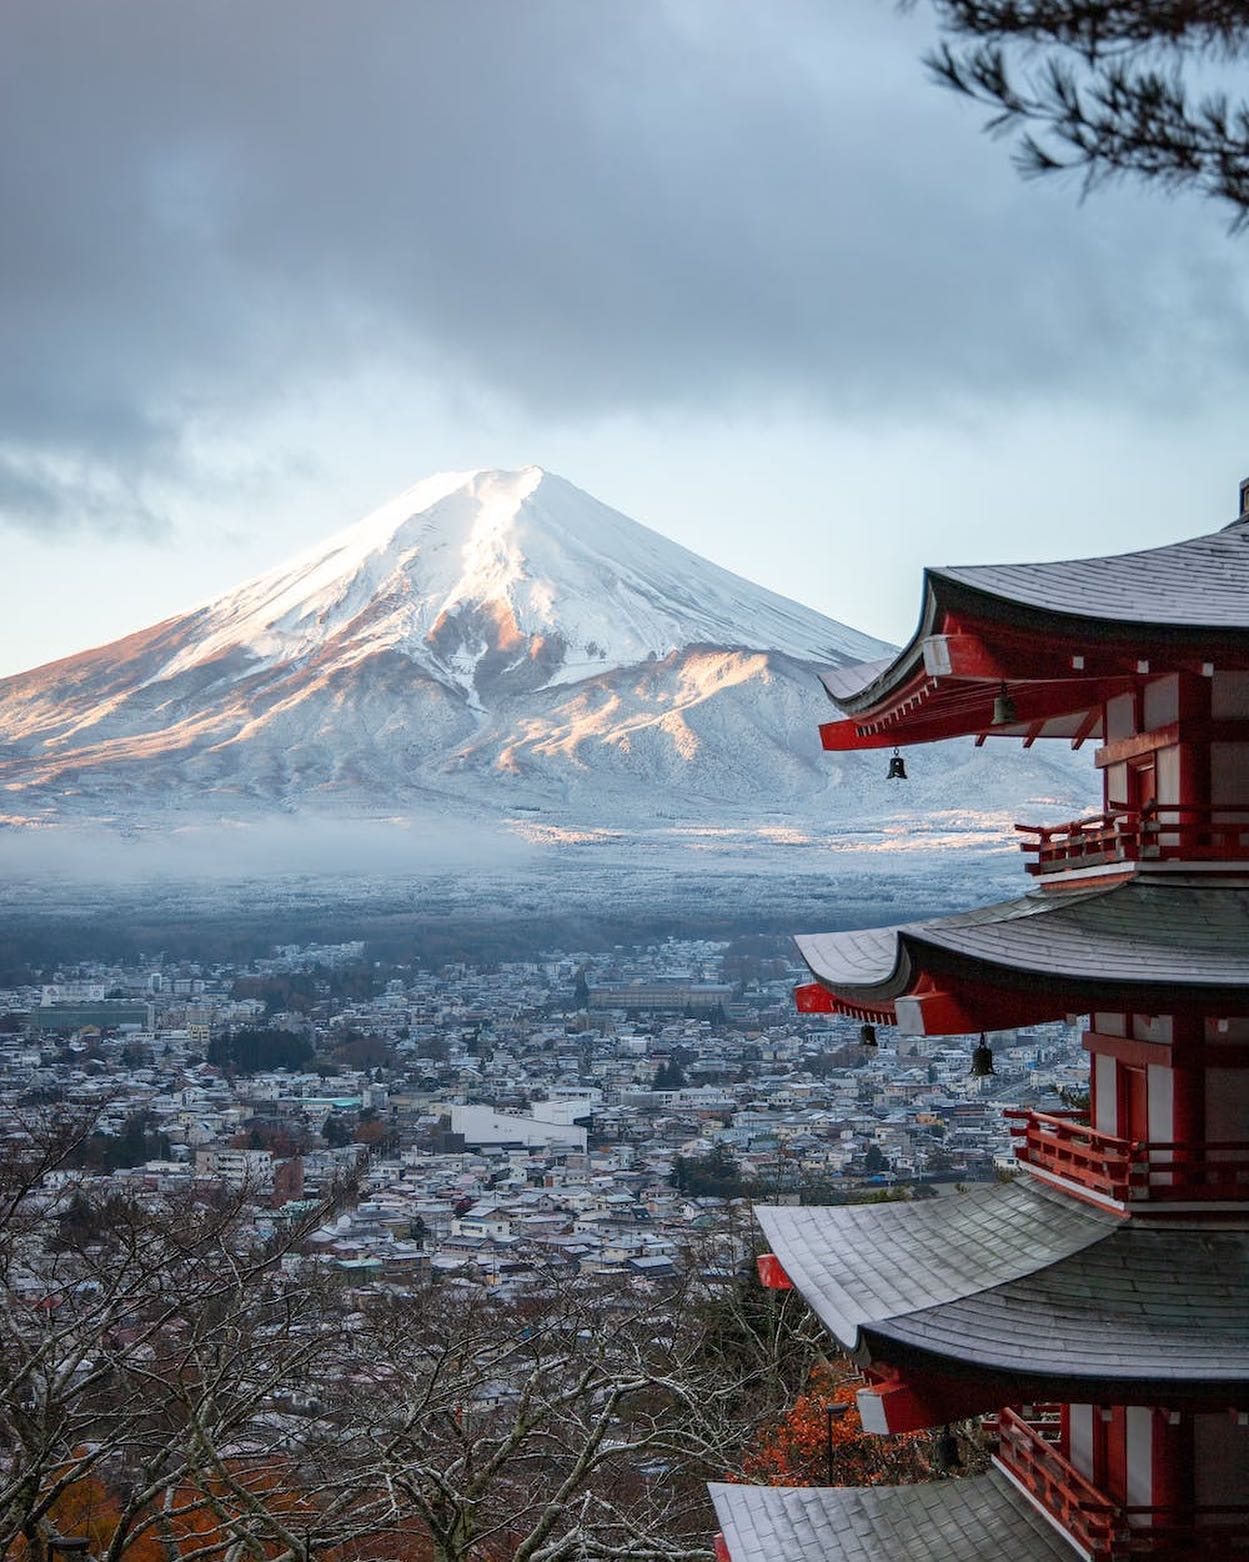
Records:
x=584, y=205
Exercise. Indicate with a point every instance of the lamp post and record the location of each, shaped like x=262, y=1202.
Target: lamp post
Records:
x=71, y=1546
x=832, y=1412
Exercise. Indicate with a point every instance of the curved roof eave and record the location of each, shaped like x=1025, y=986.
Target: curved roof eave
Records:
x=862, y=684
x=869, y=964
x=1187, y=591
x=859, y=1266
x=1127, y=935
x=1017, y=1279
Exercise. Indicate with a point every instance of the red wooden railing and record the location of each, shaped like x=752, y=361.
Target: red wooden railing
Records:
x=1107, y=1530
x=1167, y=832
x=1087, y=1515
x=1128, y=1170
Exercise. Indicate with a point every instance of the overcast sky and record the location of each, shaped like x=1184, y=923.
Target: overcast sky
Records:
x=735, y=267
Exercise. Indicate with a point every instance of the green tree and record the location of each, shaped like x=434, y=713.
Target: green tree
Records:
x=336, y=1131
x=1107, y=88
x=715, y=1175
x=253, y=1051
x=669, y=1076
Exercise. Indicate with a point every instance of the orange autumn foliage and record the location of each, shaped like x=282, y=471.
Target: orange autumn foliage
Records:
x=792, y=1449
x=88, y=1510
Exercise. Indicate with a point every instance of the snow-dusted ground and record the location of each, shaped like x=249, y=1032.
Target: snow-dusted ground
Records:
x=362, y=880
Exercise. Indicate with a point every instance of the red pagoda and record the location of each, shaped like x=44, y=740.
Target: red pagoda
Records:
x=1096, y=1307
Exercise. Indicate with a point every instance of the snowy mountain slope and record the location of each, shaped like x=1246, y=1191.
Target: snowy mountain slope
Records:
x=489, y=641
x=481, y=575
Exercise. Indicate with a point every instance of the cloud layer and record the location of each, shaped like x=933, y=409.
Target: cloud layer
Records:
x=214, y=210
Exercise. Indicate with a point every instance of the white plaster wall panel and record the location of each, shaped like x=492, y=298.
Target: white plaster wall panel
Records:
x=1106, y=1094
x=1120, y=717
x=1167, y=781
x=1140, y=1456
x=1161, y=1087
x=1162, y=702
x=1080, y=1438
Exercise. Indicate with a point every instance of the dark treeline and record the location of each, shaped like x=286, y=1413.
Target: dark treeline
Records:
x=32, y=947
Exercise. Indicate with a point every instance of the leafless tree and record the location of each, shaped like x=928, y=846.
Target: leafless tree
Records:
x=144, y=1342
x=578, y=1422
x=218, y=1396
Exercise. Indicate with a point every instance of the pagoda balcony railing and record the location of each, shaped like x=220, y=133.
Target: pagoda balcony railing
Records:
x=1085, y=1513
x=1127, y=1170
x=1107, y=1530
x=1165, y=832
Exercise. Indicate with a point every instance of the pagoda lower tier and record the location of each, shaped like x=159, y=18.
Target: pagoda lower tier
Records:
x=1109, y=1353
x=1094, y=1308
x=955, y=1306
x=955, y=1521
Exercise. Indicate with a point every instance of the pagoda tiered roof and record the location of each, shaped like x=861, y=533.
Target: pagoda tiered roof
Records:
x=982, y=1517
x=1034, y=1291
x=1042, y=955
x=1094, y=1306
x=1201, y=583
x=1058, y=638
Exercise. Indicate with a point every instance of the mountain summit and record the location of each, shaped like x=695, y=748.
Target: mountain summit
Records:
x=487, y=641
x=502, y=582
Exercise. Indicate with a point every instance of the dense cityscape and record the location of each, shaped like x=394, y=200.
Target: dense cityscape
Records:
x=594, y=1111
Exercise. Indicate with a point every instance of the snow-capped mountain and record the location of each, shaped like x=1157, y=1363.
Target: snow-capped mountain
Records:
x=493, y=581
x=487, y=640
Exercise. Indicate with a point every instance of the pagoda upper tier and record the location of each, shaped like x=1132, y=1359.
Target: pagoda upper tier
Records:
x=1036, y=650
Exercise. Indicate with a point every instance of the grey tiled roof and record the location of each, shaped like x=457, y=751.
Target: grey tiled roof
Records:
x=1201, y=583
x=849, y=680
x=980, y=1519
x=859, y=1264
x=1135, y=933
x=1020, y=1279
x=1165, y=1304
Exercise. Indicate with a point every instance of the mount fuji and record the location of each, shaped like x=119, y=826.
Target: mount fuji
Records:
x=486, y=644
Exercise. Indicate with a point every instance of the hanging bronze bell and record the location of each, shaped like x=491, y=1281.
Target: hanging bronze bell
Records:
x=897, y=768
x=867, y=1036
x=1004, y=712
x=982, y=1060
